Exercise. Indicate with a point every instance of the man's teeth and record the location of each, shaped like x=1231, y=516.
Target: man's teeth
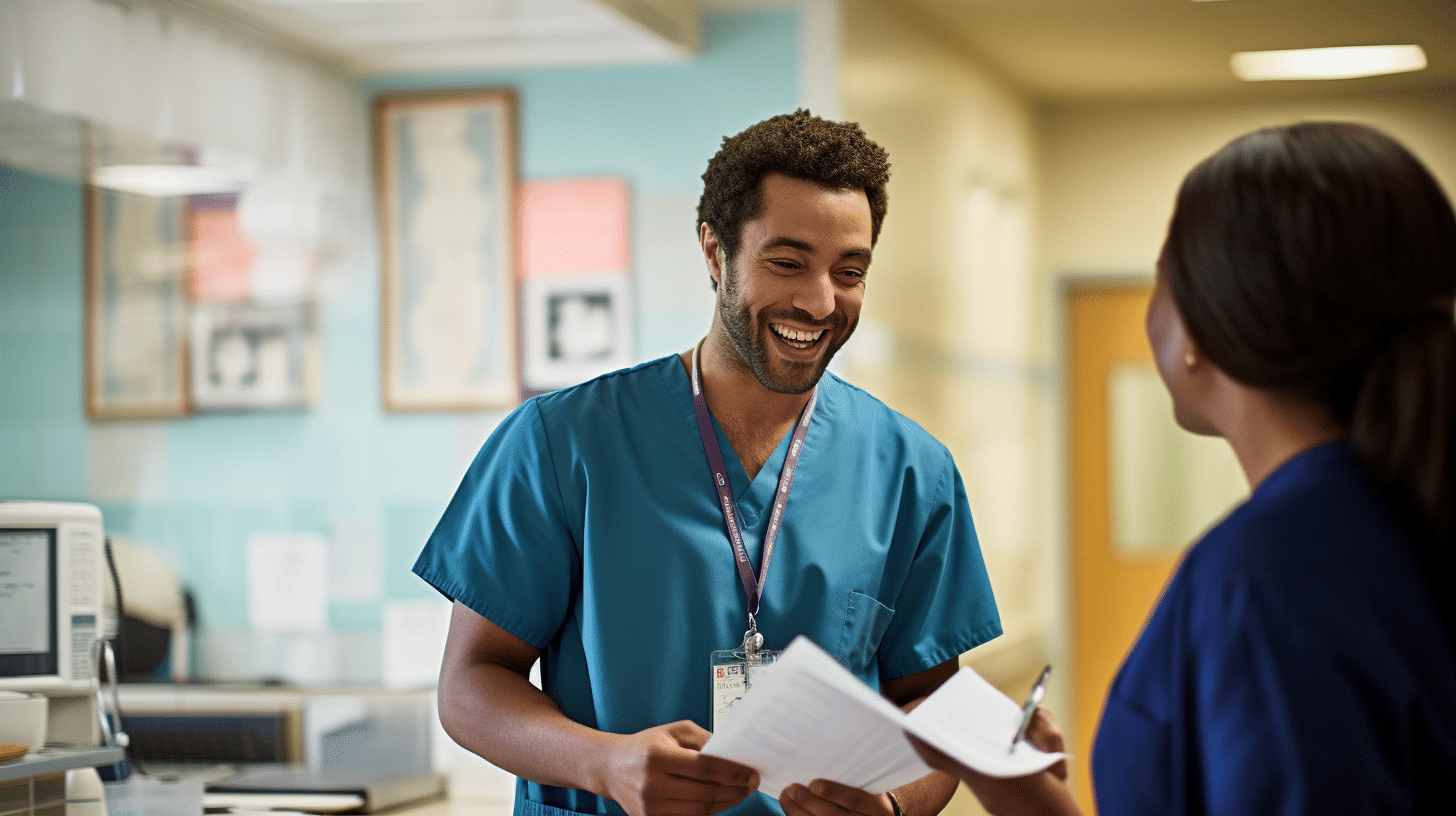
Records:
x=797, y=339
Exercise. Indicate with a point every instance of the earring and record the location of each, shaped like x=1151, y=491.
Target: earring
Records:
x=1189, y=360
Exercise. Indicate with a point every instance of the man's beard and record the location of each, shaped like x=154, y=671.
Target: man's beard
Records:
x=751, y=347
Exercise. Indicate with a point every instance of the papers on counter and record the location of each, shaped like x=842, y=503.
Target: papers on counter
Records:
x=809, y=718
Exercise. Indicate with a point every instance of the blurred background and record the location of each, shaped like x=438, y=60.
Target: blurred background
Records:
x=271, y=271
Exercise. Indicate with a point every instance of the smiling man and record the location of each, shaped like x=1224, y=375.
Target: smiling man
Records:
x=656, y=535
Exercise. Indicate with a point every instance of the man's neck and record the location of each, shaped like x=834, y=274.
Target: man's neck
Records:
x=754, y=418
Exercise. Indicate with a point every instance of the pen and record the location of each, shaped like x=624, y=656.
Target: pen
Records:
x=1029, y=708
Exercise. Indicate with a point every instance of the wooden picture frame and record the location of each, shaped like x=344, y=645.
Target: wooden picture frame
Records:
x=446, y=178
x=136, y=306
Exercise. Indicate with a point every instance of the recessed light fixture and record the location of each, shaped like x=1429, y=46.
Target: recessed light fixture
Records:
x=163, y=180
x=1327, y=63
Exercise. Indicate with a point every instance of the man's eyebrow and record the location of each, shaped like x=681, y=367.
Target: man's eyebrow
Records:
x=784, y=241
x=791, y=243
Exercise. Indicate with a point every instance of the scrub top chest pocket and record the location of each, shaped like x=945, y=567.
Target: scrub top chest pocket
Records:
x=865, y=622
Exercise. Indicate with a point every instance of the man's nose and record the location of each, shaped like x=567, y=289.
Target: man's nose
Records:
x=816, y=294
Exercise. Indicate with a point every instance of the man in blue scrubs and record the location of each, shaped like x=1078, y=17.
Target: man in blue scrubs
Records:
x=630, y=531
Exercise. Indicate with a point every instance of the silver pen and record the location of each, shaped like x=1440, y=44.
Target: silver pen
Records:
x=1028, y=710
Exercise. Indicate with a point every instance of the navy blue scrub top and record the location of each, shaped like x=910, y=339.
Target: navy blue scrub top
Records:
x=1295, y=665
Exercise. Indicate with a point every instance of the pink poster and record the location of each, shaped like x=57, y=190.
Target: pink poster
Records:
x=573, y=226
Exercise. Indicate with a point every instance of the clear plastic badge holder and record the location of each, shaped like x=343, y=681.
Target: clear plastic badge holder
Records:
x=733, y=671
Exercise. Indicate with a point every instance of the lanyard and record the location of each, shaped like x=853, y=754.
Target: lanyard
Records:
x=752, y=588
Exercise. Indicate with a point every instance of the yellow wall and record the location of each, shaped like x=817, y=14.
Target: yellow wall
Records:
x=1112, y=170
x=950, y=333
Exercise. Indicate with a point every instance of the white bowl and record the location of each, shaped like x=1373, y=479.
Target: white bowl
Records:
x=23, y=718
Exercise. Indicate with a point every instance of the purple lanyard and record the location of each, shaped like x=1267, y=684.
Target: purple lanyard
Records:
x=752, y=588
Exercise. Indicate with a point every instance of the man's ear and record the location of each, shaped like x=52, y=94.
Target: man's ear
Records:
x=712, y=253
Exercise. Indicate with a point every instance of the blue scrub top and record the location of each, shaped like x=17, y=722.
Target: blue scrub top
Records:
x=588, y=527
x=1296, y=664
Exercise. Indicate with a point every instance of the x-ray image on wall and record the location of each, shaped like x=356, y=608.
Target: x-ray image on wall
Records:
x=247, y=356
x=577, y=326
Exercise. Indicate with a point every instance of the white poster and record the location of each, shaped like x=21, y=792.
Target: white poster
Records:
x=288, y=582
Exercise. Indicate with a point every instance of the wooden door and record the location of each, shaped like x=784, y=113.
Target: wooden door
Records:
x=1112, y=592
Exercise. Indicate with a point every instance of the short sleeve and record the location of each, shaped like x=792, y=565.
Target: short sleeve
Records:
x=503, y=546
x=946, y=606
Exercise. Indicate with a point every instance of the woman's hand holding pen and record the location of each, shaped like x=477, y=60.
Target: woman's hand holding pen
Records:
x=1039, y=793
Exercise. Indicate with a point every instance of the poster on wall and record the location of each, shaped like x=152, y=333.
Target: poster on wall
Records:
x=446, y=176
x=576, y=295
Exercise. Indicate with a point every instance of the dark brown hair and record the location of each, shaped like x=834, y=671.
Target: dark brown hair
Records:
x=1319, y=259
x=837, y=155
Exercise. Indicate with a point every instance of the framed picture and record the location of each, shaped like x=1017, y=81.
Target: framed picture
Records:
x=446, y=173
x=248, y=356
x=576, y=327
x=136, y=305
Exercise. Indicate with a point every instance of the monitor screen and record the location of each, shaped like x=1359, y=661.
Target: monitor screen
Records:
x=28, y=641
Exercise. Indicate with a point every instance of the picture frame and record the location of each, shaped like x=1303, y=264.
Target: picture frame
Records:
x=248, y=356
x=575, y=327
x=136, y=306
x=446, y=178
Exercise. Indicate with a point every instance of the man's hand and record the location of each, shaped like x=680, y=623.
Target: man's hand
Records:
x=661, y=772
x=825, y=798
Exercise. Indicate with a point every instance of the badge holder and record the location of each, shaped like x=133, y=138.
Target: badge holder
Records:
x=734, y=670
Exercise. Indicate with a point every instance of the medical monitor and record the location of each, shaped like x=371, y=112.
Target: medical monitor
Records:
x=51, y=569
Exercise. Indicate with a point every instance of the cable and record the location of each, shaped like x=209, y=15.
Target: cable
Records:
x=114, y=732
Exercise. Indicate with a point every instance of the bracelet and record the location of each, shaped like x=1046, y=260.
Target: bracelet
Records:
x=895, y=803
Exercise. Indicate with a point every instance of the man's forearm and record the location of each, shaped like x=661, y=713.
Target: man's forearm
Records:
x=493, y=711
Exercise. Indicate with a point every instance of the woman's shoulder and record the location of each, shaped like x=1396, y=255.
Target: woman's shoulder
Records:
x=1319, y=506
x=1316, y=548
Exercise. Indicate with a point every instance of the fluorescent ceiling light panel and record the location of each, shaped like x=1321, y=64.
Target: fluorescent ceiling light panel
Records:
x=1327, y=63
x=163, y=180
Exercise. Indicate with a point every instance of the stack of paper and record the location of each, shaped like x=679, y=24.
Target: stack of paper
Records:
x=809, y=718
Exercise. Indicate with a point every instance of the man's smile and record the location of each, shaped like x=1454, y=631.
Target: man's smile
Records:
x=794, y=337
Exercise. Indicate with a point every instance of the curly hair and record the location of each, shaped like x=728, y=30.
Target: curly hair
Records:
x=837, y=155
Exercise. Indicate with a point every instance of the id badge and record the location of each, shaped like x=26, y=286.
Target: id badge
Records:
x=732, y=672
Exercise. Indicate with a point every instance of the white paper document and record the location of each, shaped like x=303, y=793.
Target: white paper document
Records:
x=810, y=718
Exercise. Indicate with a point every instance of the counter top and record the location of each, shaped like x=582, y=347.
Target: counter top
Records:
x=52, y=760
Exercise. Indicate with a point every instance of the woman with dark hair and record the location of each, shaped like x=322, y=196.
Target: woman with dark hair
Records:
x=1301, y=660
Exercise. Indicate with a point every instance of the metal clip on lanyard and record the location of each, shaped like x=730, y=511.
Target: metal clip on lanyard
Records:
x=752, y=587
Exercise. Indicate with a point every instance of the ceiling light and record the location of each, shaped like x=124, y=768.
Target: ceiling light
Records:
x=1327, y=63
x=163, y=180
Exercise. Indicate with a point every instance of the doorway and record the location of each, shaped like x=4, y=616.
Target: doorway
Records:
x=1141, y=490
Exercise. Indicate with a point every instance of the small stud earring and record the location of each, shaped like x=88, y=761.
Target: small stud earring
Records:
x=1188, y=359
